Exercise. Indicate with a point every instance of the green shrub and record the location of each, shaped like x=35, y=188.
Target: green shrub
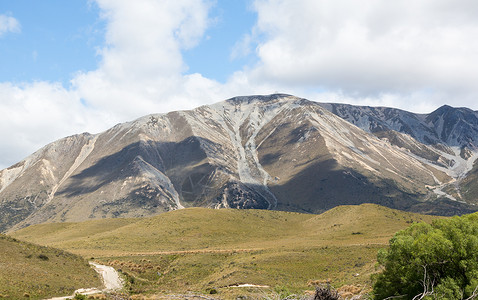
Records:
x=282, y=291
x=437, y=261
x=80, y=297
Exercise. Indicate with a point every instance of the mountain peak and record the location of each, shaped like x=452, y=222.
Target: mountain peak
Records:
x=261, y=98
x=442, y=110
x=447, y=109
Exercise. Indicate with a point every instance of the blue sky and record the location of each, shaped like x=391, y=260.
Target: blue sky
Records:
x=84, y=65
x=59, y=38
x=212, y=57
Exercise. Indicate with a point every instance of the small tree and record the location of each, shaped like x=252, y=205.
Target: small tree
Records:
x=437, y=261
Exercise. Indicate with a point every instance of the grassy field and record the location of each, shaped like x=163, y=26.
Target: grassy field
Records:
x=200, y=249
x=37, y=272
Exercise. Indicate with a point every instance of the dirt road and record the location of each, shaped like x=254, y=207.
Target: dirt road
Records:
x=111, y=278
x=111, y=281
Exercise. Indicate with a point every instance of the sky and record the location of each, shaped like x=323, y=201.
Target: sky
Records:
x=68, y=67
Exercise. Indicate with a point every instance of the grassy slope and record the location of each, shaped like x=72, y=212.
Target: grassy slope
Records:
x=39, y=272
x=197, y=248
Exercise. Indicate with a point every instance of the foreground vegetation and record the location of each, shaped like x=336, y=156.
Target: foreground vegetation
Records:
x=32, y=271
x=208, y=251
x=431, y=261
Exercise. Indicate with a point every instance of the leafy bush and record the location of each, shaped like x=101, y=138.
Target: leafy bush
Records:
x=437, y=261
x=80, y=297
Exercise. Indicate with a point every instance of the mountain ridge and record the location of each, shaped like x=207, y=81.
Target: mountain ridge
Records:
x=271, y=152
x=448, y=137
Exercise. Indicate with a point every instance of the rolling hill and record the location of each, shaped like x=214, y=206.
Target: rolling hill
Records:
x=201, y=228
x=197, y=249
x=37, y=272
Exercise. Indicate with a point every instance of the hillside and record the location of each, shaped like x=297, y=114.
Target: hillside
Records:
x=197, y=248
x=265, y=152
x=201, y=228
x=37, y=272
x=445, y=139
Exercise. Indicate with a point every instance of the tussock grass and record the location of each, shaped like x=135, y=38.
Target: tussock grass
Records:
x=200, y=249
x=36, y=272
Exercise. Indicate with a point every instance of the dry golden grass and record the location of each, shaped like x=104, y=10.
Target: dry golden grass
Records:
x=198, y=249
x=36, y=272
x=197, y=229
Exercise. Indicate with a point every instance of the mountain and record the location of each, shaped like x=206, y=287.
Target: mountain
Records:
x=268, y=152
x=446, y=139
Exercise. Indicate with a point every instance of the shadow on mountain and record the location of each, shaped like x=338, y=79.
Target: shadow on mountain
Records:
x=324, y=185
x=320, y=186
x=15, y=211
x=245, y=196
x=136, y=159
x=444, y=207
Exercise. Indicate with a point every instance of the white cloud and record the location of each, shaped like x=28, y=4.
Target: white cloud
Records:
x=142, y=66
x=242, y=47
x=415, y=55
x=140, y=72
x=371, y=48
x=9, y=24
x=34, y=114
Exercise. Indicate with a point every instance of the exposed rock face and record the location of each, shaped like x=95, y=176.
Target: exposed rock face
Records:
x=446, y=139
x=453, y=131
x=268, y=152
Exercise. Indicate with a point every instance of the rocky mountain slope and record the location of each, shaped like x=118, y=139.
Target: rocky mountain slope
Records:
x=269, y=152
x=446, y=139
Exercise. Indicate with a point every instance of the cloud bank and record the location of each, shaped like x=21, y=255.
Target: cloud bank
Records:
x=372, y=49
x=415, y=55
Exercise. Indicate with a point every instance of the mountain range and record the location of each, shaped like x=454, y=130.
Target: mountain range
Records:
x=264, y=152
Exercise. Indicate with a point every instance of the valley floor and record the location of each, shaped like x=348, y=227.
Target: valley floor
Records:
x=226, y=254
